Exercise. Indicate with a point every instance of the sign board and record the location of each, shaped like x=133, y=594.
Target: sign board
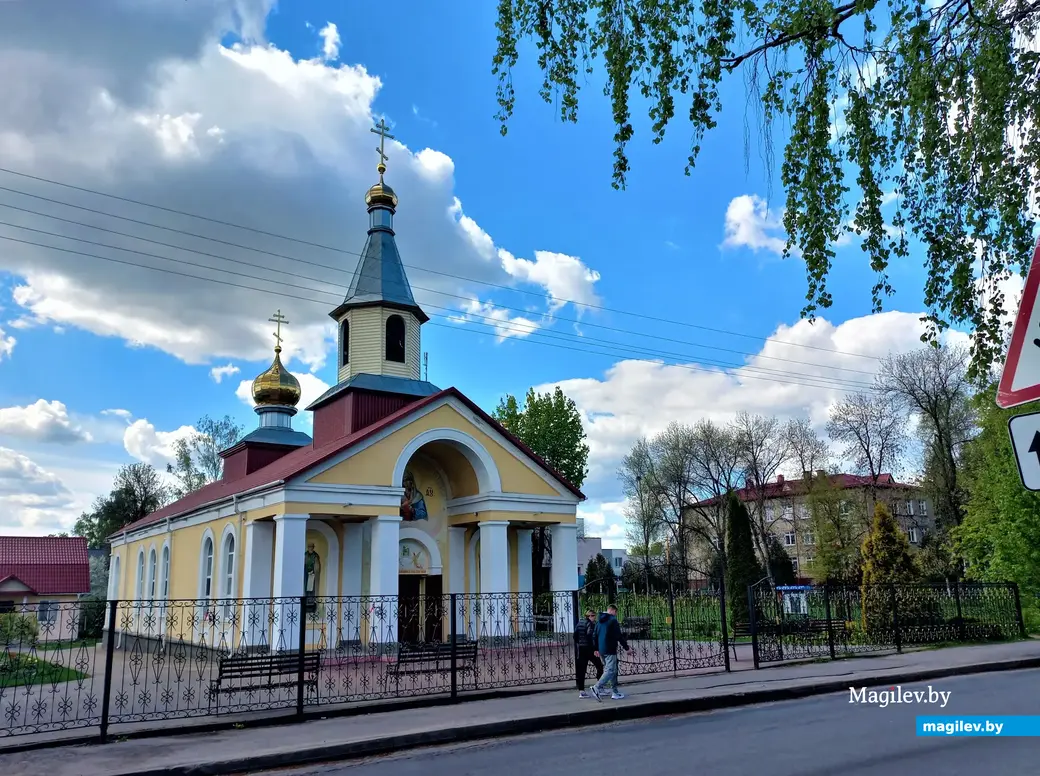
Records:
x=1020, y=380
x=1025, y=440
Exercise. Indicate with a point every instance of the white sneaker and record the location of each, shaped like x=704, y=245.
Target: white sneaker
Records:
x=595, y=694
x=583, y=694
x=616, y=696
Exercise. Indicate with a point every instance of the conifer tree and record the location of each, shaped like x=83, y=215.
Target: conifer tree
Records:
x=742, y=566
x=886, y=561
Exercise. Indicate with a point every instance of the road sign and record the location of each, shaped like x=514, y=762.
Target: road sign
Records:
x=1025, y=440
x=1020, y=380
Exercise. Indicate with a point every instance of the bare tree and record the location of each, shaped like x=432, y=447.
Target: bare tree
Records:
x=932, y=385
x=873, y=432
x=806, y=448
x=642, y=512
x=763, y=449
x=716, y=470
x=672, y=483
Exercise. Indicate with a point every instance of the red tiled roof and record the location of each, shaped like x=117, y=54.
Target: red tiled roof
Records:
x=47, y=565
x=784, y=488
x=299, y=461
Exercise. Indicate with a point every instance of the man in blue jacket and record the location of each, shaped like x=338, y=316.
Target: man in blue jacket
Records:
x=608, y=637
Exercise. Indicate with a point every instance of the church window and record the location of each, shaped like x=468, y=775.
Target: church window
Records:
x=395, y=339
x=229, y=567
x=115, y=579
x=139, y=589
x=207, y=568
x=164, y=586
x=151, y=575
x=344, y=339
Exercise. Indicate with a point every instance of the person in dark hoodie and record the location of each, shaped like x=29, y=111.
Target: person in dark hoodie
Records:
x=608, y=638
x=585, y=644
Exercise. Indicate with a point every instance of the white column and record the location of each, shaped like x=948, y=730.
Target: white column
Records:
x=350, y=622
x=457, y=575
x=256, y=583
x=524, y=581
x=290, y=546
x=495, y=601
x=564, y=573
x=382, y=582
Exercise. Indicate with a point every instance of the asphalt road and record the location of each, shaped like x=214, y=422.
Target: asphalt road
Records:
x=825, y=736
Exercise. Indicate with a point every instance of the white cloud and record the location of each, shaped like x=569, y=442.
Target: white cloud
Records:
x=605, y=520
x=7, y=343
x=144, y=443
x=564, y=277
x=32, y=499
x=505, y=324
x=751, y=224
x=330, y=42
x=311, y=387
x=218, y=373
x=43, y=421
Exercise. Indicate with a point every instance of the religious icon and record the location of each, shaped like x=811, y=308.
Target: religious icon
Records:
x=311, y=573
x=413, y=505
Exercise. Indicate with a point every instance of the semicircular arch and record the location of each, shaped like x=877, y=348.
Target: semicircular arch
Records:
x=488, y=478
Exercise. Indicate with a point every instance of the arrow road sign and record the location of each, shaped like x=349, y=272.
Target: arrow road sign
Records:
x=1025, y=440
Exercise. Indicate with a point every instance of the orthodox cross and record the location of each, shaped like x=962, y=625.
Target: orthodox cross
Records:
x=382, y=130
x=278, y=319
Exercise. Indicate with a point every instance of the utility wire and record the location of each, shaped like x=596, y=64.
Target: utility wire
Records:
x=353, y=253
x=453, y=327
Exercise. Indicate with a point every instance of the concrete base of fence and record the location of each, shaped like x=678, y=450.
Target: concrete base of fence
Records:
x=255, y=749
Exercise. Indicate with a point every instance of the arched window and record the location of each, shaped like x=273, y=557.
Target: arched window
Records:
x=395, y=339
x=164, y=579
x=151, y=575
x=114, y=596
x=207, y=569
x=344, y=342
x=228, y=590
x=139, y=587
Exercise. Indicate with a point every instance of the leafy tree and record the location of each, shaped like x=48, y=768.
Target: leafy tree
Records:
x=1000, y=536
x=550, y=424
x=838, y=526
x=934, y=102
x=645, y=524
x=138, y=491
x=886, y=561
x=197, y=460
x=781, y=569
x=742, y=566
x=600, y=579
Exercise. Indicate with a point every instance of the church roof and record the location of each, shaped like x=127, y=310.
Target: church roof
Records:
x=299, y=461
x=276, y=436
x=382, y=383
x=380, y=278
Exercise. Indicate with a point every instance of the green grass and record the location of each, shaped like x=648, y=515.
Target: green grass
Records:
x=51, y=646
x=21, y=670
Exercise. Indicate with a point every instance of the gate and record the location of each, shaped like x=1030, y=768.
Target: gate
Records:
x=793, y=622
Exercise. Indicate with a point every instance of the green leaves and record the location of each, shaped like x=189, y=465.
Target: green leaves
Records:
x=936, y=103
x=197, y=458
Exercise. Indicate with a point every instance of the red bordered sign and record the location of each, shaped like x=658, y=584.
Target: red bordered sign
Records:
x=1020, y=380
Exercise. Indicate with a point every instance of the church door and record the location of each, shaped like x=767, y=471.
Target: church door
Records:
x=409, y=608
x=435, y=609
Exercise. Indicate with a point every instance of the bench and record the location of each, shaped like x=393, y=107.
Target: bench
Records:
x=741, y=630
x=636, y=628
x=433, y=657
x=281, y=669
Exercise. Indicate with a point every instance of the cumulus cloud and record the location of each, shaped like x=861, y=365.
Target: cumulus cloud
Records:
x=202, y=115
x=32, y=499
x=329, y=42
x=218, y=373
x=7, y=343
x=751, y=224
x=43, y=421
x=504, y=323
x=311, y=387
x=145, y=443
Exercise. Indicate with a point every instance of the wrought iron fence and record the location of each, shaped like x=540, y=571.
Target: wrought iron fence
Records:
x=102, y=664
x=799, y=622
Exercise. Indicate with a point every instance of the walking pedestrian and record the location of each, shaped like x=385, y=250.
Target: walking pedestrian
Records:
x=585, y=643
x=608, y=638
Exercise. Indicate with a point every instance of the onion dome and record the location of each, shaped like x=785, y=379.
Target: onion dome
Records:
x=381, y=194
x=276, y=386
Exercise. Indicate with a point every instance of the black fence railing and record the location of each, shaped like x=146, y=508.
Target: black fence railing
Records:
x=113, y=666
x=799, y=622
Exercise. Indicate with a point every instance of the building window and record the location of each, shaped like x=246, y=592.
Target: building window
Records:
x=794, y=564
x=909, y=507
x=809, y=539
x=344, y=343
x=115, y=578
x=617, y=562
x=207, y=568
x=911, y=534
x=810, y=559
x=6, y=607
x=46, y=612
x=922, y=508
x=789, y=539
x=139, y=589
x=229, y=567
x=151, y=575
x=395, y=339
x=164, y=587
x=843, y=508
x=769, y=511
x=788, y=509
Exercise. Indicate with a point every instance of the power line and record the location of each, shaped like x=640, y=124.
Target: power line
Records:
x=323, y=281
x=353, y=253
x=494, y=326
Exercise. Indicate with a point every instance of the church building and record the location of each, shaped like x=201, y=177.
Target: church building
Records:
x=406, y=490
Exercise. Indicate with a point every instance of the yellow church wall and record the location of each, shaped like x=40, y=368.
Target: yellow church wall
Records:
x=375, y=465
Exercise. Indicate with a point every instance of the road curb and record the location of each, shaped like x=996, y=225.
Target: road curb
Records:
x=589, y=715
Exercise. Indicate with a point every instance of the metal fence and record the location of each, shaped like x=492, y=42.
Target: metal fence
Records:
x=799, y=622
x=109, y=665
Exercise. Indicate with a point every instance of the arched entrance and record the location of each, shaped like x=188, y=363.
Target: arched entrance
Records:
x=421, y=607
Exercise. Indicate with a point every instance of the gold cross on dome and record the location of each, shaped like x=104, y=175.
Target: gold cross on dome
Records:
x=278, y=319
x=382, y=130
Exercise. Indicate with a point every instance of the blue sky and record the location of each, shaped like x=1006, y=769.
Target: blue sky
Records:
x=275, y=138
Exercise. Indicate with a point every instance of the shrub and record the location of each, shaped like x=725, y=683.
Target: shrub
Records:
x=92, y=617
x=18, y=629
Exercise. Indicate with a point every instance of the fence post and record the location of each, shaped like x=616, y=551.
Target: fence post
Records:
x=960, y=614
x=725, y=625
x=895, y=619
x=301, y=646
x=753, y=624
x=830, y=620
x=110, y=647
x=453, y=624
x=1018, y=610
x=671, y=618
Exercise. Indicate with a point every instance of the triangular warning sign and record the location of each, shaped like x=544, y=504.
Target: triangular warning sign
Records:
x=1020, y=380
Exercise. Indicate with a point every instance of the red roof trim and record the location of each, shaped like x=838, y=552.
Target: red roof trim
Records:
x=305, y=458
x=795, y=487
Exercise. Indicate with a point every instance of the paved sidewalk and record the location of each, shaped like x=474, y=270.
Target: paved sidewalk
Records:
x=237, y=751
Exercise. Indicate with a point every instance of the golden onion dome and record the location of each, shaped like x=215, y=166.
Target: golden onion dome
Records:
x=381, y=194
x=276, y=386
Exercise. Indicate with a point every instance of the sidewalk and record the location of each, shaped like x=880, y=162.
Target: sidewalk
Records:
x=237, y=751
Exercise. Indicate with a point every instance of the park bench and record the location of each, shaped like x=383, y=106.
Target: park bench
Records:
x=432, y=657
x=280, y=669
x=741, y=630
x=636, y=628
